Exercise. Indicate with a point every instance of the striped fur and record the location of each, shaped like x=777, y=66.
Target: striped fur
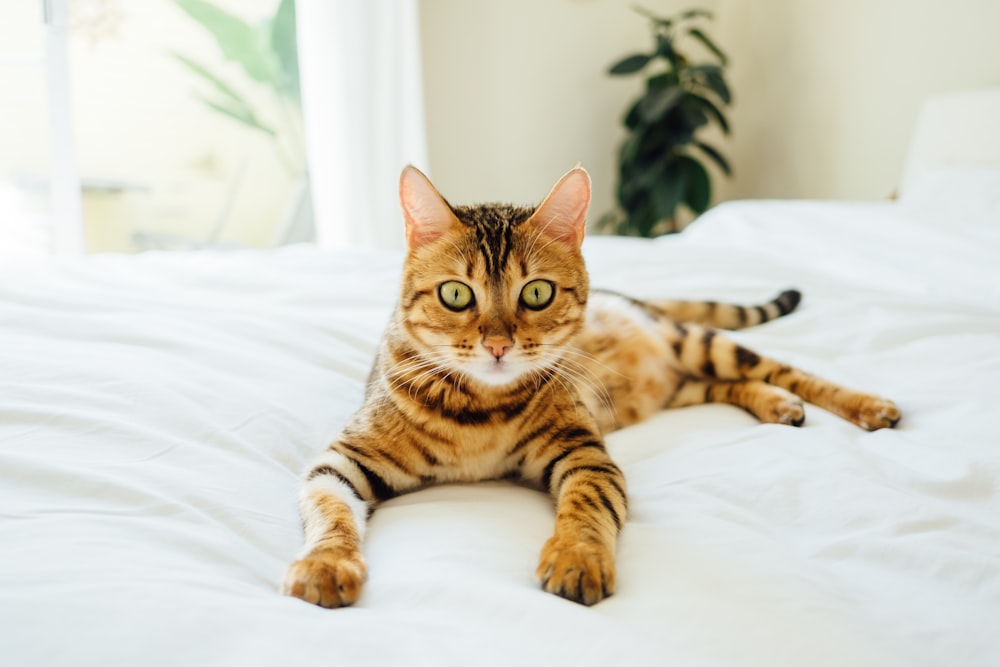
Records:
x=500, y=362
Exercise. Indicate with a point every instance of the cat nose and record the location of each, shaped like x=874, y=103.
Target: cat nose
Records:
x=498, y=345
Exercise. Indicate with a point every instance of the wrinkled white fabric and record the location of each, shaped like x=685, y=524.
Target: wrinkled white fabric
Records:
x=157, y=411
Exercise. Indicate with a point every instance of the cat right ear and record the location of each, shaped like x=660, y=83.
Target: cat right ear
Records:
x=563, y=214
x=428, y=216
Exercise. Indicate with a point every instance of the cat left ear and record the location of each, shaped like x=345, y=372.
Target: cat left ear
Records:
x=563, y=213
x=427, y=214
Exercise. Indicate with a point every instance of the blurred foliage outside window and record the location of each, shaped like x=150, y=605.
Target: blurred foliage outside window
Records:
x=187, y=122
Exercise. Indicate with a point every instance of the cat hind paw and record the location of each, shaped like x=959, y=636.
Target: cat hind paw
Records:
x=878, y=413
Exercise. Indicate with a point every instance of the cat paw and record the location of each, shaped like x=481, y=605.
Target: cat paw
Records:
x=326, y=577
x=878, y=413
x=786, y=410
x=774, y=405
x=578, y=570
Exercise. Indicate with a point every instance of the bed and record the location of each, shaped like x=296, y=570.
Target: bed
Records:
x=157, y=412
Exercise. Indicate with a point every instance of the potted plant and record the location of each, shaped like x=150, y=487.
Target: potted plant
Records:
x=661, y=164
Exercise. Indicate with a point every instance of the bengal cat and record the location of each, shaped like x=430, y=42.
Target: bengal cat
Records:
x=499, y=361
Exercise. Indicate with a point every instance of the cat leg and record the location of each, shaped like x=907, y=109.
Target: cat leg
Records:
x=578, y=561
x=768, y=403
x=705, y=353
x=334, y=510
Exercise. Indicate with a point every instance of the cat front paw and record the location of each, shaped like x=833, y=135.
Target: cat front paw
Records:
x=326, y=577
x=579, y=570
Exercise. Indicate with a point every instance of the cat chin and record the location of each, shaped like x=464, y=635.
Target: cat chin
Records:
x=496, y=375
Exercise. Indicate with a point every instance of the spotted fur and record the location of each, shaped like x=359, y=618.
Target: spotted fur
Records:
x=500, y=362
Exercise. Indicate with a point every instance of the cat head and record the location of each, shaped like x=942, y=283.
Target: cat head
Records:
x=493, y=293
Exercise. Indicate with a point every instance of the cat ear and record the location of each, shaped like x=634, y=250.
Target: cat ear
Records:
x=427, y=214
x=563, y=214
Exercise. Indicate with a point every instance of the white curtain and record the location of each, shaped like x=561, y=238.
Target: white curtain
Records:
x=362, y=100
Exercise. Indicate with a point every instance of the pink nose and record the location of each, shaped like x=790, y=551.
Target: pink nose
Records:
x=498, y=345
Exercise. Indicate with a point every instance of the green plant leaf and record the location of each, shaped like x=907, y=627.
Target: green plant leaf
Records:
x=283, y=41
x=641, y=219
x=248, y=45
x=239, y=112
x=702, y=71
x=630, y=64
x=653, y=140
x=697, y=13
x=698, y=184
x=712, y=78
x=630, y=148
x=666, y=195
x=665, y=48
x=202, y=71
x=662, y=80
x=657, y=20
x=657, y=102
x=692, y=114
x=632, y=119
x=709, y=107
x=649, y=172
x=709, y=44
x=630, y=194
x=716, y=156
x=719, y=86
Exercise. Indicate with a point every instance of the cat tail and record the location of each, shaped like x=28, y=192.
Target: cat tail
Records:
x=726, y=315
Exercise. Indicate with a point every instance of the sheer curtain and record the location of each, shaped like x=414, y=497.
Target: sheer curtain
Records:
x=362, y=100
x=65, y=193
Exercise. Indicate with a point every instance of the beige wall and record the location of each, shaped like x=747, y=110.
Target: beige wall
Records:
x=826, y=92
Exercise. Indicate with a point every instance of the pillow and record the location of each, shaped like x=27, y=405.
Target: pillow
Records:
x=955, y=193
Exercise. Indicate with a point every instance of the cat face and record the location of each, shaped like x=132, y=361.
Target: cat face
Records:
x=493, y=293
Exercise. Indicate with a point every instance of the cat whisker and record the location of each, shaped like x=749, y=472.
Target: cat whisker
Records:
x=586, y=380
x=583, y=376
x=422, y=368
x=401, y=373
x=593, y=359
x=557, y=377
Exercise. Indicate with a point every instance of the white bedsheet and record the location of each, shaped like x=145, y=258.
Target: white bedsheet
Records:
x=157, y=411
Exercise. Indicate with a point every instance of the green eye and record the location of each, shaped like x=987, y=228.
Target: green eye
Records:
x=455, y=295
x=537, y=294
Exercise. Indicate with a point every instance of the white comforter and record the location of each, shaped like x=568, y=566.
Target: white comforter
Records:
x=157, y=411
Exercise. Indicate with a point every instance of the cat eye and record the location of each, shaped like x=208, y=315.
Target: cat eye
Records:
x=537, y=294
x=455, y=295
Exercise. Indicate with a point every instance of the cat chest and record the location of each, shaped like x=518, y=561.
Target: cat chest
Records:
x=470, y=453
x=457, y=439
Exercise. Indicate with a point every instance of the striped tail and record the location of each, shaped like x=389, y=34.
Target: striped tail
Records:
x=726, y=315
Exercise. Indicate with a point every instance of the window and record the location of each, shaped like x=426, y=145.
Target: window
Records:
x=186, y=121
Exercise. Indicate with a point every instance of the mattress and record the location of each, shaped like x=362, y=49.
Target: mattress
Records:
x=157, y=413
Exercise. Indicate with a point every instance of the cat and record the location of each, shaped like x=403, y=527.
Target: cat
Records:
x=499, y=361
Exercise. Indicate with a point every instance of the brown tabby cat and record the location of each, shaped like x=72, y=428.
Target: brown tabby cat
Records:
x=500, y=362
